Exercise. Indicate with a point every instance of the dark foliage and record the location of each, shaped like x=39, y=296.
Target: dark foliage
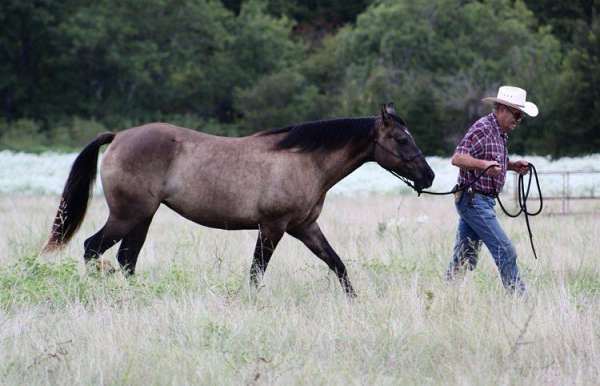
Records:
x=237, y=67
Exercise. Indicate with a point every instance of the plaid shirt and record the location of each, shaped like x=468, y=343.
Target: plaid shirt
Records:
x=484, y=140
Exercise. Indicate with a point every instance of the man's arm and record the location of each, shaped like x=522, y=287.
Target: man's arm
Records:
x=465, y=161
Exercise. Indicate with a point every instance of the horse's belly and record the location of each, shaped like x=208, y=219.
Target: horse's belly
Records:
x=221, y=194
x=215, y=217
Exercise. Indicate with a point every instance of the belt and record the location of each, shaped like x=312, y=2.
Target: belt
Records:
x=488, y=194
x=492, y=195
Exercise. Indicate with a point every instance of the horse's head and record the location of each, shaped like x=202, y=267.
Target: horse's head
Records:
x=395, y=149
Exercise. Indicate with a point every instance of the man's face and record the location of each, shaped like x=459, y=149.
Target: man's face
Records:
x=508, y=117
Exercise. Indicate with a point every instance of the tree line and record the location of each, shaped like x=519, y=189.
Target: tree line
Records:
x=72, y=68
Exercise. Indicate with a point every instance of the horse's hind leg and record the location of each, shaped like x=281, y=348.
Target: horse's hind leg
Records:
x=267, y=241
x=314, y=239
x=96, y=245
x=111, y=233
x=131, y=245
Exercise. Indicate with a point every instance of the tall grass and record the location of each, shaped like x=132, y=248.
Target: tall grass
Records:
x=189, y=316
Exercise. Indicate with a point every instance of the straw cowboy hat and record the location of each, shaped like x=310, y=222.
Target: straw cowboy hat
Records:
x=514, y=97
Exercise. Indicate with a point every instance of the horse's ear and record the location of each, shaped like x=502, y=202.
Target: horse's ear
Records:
x=385, y=115
x=390, y=108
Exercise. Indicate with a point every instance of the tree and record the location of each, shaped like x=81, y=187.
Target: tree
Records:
x=565, y=17
x=124, y=62
x=453, y=52
x=279, y=100
x=572, y=126
x=578, y=114
x=141, y=59
x=261, y=45
x=30, y=41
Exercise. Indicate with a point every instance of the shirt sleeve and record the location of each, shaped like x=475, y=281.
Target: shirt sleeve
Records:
x=472, y=144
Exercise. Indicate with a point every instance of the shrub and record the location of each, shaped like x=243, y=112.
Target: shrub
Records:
x=75, y=133
x=279, y=100
x=22, y=135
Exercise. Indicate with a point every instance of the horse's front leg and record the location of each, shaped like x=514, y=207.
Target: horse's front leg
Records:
x=268, y=238
x=314, y=239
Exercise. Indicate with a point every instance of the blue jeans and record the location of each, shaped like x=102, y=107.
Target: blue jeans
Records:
x=477, y=224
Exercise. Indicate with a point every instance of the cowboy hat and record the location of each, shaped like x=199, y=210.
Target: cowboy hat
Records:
x=514, y=97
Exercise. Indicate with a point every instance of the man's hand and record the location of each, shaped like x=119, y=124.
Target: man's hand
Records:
x=465, y=161
x=494, y=170
x=520, y=166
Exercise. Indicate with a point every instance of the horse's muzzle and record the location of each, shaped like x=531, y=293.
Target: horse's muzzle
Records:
x=426, y=181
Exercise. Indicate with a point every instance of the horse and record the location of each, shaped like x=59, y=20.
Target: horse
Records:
x=275, y=181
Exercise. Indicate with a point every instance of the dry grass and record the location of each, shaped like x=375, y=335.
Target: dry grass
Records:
x=189, y=317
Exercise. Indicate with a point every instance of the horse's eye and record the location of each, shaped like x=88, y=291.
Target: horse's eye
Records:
x=401, y=140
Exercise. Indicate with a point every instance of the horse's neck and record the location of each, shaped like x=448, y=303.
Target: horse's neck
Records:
x=336, y=165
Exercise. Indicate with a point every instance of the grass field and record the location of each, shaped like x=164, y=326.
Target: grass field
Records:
x=189, y=316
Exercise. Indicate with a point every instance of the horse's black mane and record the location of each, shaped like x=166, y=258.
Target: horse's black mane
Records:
x=328, y=134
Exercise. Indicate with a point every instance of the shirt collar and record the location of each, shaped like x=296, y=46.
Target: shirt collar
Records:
x=496, y=125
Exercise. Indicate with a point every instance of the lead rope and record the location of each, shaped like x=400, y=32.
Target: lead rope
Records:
x=523, y=195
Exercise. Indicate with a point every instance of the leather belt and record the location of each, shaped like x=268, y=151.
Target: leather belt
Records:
x=492, y=195
x=471, y=190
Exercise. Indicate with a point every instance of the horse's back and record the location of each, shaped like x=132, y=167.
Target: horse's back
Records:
x=148, y=147
x=223, y=182
x=134, y=167
x=212, y=180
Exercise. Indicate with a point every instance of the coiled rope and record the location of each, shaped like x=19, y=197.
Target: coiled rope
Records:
x=523, y=195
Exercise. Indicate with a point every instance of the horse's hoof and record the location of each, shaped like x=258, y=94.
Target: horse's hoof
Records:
x=105, y=267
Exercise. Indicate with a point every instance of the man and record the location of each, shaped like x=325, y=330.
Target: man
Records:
x=484, y=145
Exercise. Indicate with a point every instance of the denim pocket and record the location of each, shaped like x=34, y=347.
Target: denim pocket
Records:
x=482, y=202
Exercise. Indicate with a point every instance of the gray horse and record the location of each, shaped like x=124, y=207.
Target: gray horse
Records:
x=274, y=181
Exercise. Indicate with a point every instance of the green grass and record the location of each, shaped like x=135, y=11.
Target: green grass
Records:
x=32, y=281
x=190, y=317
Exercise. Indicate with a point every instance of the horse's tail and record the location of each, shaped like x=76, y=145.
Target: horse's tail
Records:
x=76, y=194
